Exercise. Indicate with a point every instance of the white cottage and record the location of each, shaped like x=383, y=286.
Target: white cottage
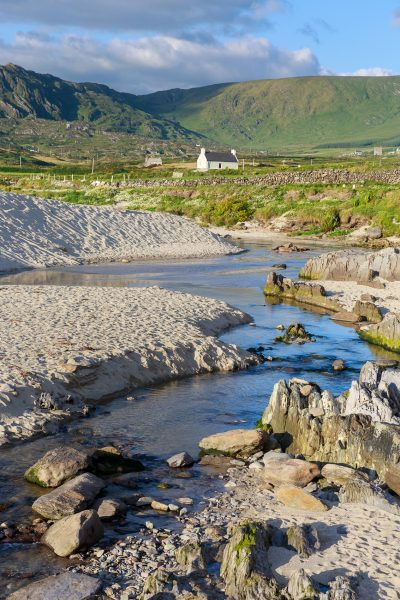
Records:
x=217, y=160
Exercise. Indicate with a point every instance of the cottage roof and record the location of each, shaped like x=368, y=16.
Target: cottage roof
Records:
x=221, y=157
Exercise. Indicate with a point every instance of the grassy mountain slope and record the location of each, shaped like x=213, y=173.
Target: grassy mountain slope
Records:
x=27, y=94
x=295, y=112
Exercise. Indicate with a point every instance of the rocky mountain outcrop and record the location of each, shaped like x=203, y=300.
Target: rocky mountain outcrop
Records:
x=354, y=265
x=361, y=428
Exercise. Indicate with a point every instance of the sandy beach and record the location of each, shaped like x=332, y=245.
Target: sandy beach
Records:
x=96, y=343
x=41, y=233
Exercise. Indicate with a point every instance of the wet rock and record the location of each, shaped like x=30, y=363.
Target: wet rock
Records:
x=363, y=492
x=290, y=247
x=346, y=316
x=280, y=470
x=295, y=334
x=107, y=461
x=192, y=557
x=245, y=567
x=339, y=474
x=304, y=539
x=392, y=478
x=57, y=466
x=280, y=266
x=386, y=333
x=294, y=497
x=109, y=508
x=72, y=497
x=73, y=533
x=237, y=442
x=160, y=506
x=338, y=365
x=308, y=293
x=368, y=311
x=71, y=586
x=301, y=586
x=183, y=459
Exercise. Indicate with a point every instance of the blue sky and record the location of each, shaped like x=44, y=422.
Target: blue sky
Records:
x=141, y=46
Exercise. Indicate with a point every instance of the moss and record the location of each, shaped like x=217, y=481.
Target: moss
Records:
x=263, y=426
x=214, y=452
x=380, y=340
x=32, y=476
x=248, y=540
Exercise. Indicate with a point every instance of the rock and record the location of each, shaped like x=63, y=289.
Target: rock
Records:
x=304, y=539
x=294, y=497
x=280, y=266
x=67, y=585
x=339, y=474
x=308, y=293
x=155, y=584
x=337, y=437
x=214, y=461
x=290, y=247
x=109, y=508
x=392, y=478
x=346, y=316
x=74, y=533
x=183, y=459
x=160, y=506
x=368, y=311
x=72, y=497
x=191, y=556
x=144, y=501
x=340, y=589
x=57, y=466
x=386, y=333
x=186, y=501
x=354, y=265
x=292, y=471
x=363, y=492
x=338, y=365
x=301, y=587
x=109, y=460
x=245, y=567
x=237, y=442
x=295, y=334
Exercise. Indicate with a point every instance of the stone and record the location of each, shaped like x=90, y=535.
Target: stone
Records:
x=308, y=293
x=294, y=497
x=160, y=506
x=386, y=333
x=304, y=539
x=292, y=471
x=338, y=365
x=363, y=492
x=295, y=334
x=346, y=316
x=56, y=466
x=67, y=585
x=245, y=567
x=237, y=442
x=368, y=311
x=341, y=589
x=144, y=501
x=109, y=508
x=109, y=460
x=392, y=478
x=185, y=501
x=301, y=586
x=183, y=459
x=71, y=497
x=73, y=533
x=339, y=474
x=191, y=556
x=214, y=461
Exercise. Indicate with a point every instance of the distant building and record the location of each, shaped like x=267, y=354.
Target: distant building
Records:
x=217, y=160
x=378, y=151
x=152, y=160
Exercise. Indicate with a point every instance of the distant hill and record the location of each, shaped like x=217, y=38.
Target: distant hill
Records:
x=286, y=114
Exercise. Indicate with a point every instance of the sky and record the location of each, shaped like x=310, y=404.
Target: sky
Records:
x=141, y=46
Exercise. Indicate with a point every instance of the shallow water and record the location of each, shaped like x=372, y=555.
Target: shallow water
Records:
x=173, y=417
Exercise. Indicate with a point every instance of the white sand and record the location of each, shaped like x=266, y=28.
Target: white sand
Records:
x=40, y=233
x=348, y=292
x=94, y=343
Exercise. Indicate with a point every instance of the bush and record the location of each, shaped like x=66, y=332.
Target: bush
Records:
x=331, y=220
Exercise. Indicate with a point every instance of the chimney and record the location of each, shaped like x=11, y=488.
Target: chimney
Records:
x=233, y=152
x=203, y=151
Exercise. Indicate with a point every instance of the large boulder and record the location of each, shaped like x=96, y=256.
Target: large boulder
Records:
x=237, y=442
x=71, y=497
x=245, y=567
x=67, y=585
x=318, y=426
x=57, y=466
x=74, y=533
x=392, y=478
x=301, y=586
x=386, y=333
x=340, y=474
x=281, y=471
x=309, y=293
x=297, y=498
x=109, y=460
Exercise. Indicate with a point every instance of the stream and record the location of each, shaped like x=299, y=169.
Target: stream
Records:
x=160, y=421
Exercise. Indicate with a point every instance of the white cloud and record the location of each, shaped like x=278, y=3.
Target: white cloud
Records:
x=371, y=72
x=160, y=62
x=396, y=18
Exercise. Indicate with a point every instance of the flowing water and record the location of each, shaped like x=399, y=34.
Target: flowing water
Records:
x=162, y=420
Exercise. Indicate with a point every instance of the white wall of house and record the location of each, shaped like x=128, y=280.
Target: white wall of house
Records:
x=204, y=165
x=223, y=165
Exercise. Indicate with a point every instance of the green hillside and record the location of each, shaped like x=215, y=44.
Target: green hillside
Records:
x=288, y=113
x=27, y=94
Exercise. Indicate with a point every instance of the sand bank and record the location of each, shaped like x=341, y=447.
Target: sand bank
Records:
x=95, y=343
x=40, y=233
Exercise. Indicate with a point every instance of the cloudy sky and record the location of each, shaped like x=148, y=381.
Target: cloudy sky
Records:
x=140, y=46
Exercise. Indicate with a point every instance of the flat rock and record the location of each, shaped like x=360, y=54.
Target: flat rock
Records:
x=294, y=497
x=282, y=471
x=73, y=533
x=57, y=466
x=71, y=497
x=108, y=508
x=183, y=459
x=71, y=586
x=340, y=474
x=237, y=442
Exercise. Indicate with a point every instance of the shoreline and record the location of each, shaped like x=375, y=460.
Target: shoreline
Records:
x=84, y=345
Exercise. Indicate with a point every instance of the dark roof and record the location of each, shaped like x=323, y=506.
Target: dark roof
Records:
x=221, y=157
